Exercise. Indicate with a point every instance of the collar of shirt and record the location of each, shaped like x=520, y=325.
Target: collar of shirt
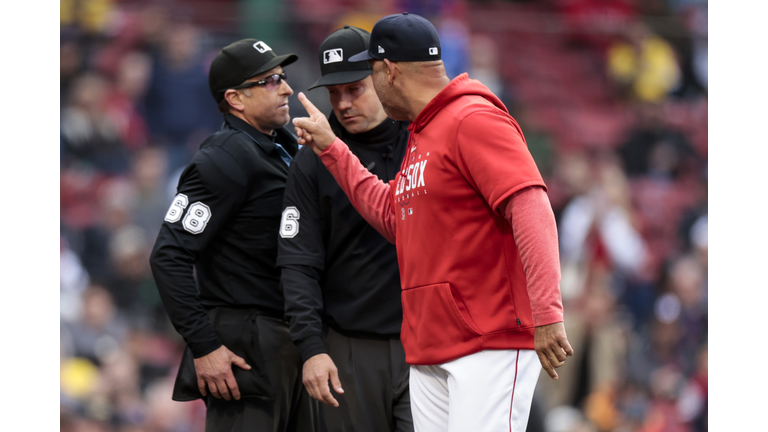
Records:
x=376, y=139
x=266, y=142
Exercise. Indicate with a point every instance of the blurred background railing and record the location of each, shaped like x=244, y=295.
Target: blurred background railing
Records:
x=612, y=98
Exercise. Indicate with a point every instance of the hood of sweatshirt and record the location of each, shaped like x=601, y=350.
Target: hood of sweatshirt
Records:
x=460, y=86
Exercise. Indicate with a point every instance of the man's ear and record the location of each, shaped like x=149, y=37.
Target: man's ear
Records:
x=235, y=99
x=392, y=70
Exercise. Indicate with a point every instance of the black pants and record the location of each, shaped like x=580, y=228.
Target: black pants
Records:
x=374, y=376
x=292, y=409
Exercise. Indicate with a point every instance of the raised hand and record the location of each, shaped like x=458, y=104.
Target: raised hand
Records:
x=315, y=130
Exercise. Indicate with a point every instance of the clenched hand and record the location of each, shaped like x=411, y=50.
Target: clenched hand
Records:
x=215, y=371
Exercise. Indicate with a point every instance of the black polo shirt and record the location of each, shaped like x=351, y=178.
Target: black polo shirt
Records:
x=337, y=269
x=223, y=221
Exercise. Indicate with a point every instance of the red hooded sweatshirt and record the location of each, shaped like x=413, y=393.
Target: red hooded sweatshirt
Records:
x=464, y=286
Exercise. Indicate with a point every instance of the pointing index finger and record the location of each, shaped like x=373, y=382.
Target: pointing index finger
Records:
x=311, y=109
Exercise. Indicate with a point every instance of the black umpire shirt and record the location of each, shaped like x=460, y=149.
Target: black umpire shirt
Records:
x=337, y=270
x=223, y=221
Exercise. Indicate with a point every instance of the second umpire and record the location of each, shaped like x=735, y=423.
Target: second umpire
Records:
x=339, y=275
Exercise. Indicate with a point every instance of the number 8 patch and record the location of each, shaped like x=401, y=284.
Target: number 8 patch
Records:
x=197, y=216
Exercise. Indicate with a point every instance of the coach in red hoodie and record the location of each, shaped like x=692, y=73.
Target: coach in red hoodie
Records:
x=475, y=234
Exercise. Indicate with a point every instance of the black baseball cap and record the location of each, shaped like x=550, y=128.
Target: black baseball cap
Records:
x=241, y=60
x=402, y=37
x=334, y=55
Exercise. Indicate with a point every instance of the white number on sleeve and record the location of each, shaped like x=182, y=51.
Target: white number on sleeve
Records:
x=289, y=225
x=197, y=217
x=177, y=208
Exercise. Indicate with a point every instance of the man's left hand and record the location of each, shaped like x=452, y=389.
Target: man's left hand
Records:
x=552, y=347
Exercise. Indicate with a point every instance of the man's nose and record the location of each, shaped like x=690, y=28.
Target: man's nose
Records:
x=285, y=88
x=345, y=102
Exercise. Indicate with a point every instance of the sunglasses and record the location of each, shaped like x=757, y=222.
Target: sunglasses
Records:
x=270, y=83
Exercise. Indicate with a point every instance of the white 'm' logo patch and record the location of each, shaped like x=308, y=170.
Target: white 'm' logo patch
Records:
x=381, y=50
x=333, y=55
x=262, y=47
x=433, y=51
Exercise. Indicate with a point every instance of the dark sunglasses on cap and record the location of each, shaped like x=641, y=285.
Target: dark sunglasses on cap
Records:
x=270, y=83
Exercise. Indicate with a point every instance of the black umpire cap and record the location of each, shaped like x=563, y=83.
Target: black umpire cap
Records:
x=334, y=56
x=241, y=60
x=402, y=37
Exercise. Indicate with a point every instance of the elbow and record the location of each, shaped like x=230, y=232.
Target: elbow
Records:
x=158, y=259
x=154, y=258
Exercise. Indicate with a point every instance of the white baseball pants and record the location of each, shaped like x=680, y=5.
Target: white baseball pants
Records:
x=489, y=391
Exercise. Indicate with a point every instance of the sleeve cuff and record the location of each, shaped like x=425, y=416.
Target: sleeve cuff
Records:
x=204, y=348
x=331, y=153
x=547, y=318
x=310, y=346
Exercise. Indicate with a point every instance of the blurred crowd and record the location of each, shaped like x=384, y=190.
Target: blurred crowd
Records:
x=612, y=97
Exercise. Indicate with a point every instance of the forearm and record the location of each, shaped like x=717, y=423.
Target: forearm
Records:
x=535, y=232
x=368, y=194
x=303, y=306
x=178, y=293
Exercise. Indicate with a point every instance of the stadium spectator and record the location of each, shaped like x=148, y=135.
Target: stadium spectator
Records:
x=123, y=105
x=598, y=222
x=131, y=281
x=149, y=174
x=88, y=135
x=455, y=40
x=178, y=105
x=652, y=148
x=594, y=23
x=73, y=281
x=99, y=331
x=644, y=64
x=70, y=64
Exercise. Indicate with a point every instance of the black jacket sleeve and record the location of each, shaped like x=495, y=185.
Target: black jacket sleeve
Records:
x=301, y=255
x=210, y=190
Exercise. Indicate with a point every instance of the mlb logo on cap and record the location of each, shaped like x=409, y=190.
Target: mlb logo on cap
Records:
x=262, y=47
x=433, y=51
x=335, y=68
x=333, y=55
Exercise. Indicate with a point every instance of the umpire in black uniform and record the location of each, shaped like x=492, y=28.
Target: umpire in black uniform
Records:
x=339, y=275
x=224, y=222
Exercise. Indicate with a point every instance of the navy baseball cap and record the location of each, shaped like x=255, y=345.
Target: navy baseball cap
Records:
x=334, y=55
x=241, y=60
x=402, y=37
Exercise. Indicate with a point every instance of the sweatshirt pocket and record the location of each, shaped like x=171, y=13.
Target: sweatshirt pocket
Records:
x=433, y=326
